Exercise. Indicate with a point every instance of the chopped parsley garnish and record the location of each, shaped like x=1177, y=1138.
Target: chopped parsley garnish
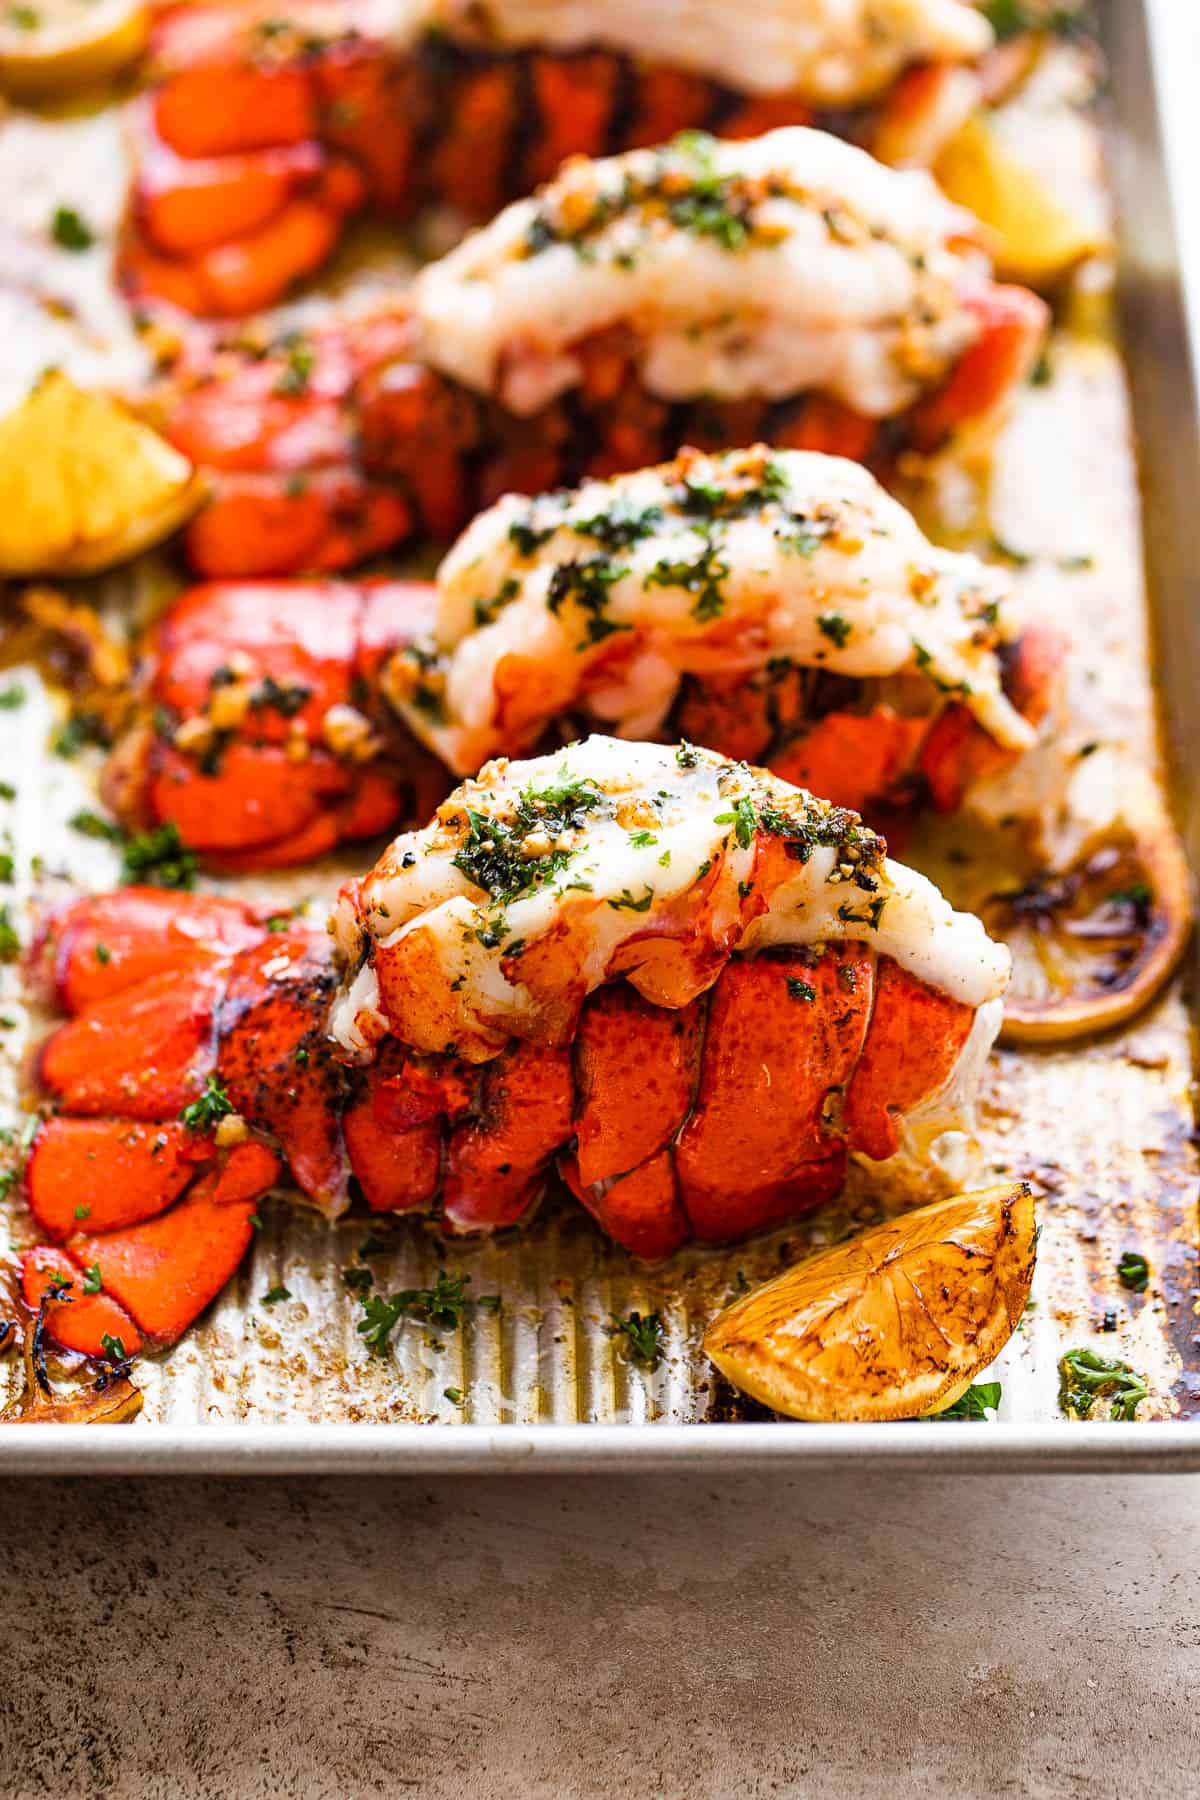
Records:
x=93, y=825
x=103, y=955
x=202, y=1114
x=924, y=662
x=701, y=577
x=528, y=537
x=686, y=755
x=12, y=696
x=272, y=696
x=1042, y=373
x=83, y=1212
x=454, y=1395
x=1085, y=1377
x=70, y=231
x=445, y=1304
x=159, y=858
x=800, y=990
x=1020, y=559
x=696, y=198
x=626, y=902
x=92, y=1282
x=297, y=370
x=1133, y=1272
x=1008, y=18
x=742, y=819
x=641, y=1337
x=870, y=917
x=113, y=1347
x=815, y=826
x=7, y=791
x=642, y=840
x=586, y=584
x=494, y=857
x=10, y=943
x=806, y=539
x=275, y=1294
x=1139, y=895
x=506, y=593
x=980, y=1399
x=81, y=729
x=620, y=526
x=836, y=628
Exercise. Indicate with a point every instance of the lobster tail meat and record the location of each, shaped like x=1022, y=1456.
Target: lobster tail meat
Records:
x=787, y=287
x=728, y=266
x=697, y=992
x=774, y=604
x=268, y=129
x=605, y=600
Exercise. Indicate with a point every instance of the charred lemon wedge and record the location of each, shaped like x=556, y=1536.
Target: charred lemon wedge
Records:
x=1094, y=943
x=51, y=48
x=84, y=484
x=893, y=1324
x=1036, y=239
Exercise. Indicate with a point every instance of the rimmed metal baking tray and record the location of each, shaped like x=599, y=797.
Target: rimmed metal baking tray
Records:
x=545, y=1390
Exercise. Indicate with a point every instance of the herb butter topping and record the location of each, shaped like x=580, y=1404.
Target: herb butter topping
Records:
x=770, y=267
x=540, y=880
x=828, y=52
x=598, y=600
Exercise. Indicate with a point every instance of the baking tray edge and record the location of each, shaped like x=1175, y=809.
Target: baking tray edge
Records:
x=1151, y=45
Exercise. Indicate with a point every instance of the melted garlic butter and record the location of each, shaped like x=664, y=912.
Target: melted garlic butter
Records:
x=788, y=262
x=600, y=843
x=707, y=563
x=828, y=52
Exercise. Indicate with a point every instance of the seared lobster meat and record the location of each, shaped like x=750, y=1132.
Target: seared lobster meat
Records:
x=695, y=989
x=775, y=605
x=789, y=288
x=268, y=128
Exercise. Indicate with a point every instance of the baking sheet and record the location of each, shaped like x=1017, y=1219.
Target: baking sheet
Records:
x=1105, y=1131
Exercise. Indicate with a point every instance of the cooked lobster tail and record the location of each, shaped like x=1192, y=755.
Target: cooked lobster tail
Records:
x=715, y=1091
x=283, y=718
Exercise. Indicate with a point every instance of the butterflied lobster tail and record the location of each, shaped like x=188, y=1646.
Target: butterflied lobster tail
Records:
x=775, y=605
x=269, y=128
x=692, y=294
x=695, y=991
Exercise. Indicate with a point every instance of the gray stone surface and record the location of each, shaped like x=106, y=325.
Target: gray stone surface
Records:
x=840, y=1636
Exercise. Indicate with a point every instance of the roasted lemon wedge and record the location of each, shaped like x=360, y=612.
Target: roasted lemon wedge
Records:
x=49, y=48
x=1037, y=240
x=1093, y=944
x=895, y=1323
x=84, y=484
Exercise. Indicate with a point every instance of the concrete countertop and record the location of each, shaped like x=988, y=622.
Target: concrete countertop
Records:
x=831, y=1637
